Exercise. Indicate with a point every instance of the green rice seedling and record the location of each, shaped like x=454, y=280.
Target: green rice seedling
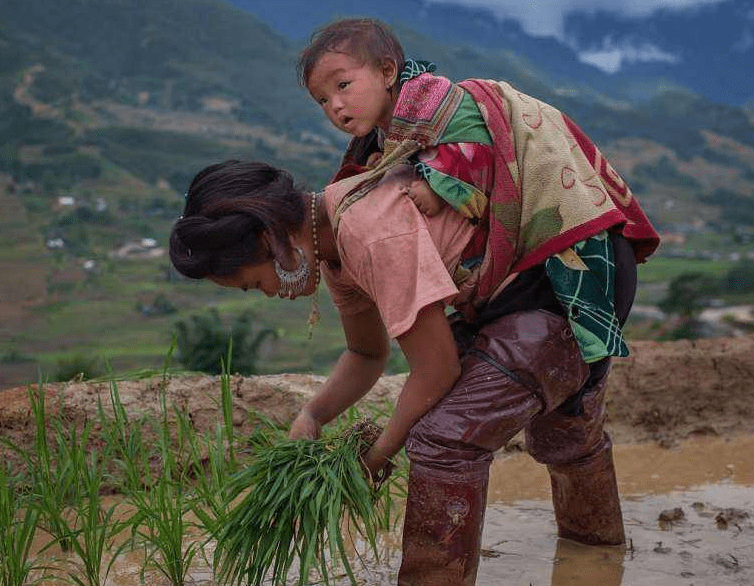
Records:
x=74, y=512
x=18, y=524
x=301, y=491
x=53, y=472
x=213, y=462
x=94, y=527
x=394, y=489
x=160, y=522
x=160, y=525
x=124, y=444
x=211, y=471
x=226, y=407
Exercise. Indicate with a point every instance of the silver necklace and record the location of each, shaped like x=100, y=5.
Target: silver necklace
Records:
x=292, y=283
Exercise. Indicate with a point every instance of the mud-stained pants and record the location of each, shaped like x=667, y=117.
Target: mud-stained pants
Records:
x=521, y=368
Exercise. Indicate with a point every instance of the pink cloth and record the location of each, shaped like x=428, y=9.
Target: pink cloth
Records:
x=392, y=256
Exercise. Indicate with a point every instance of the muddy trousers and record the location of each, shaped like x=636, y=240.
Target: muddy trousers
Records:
x=522, y=367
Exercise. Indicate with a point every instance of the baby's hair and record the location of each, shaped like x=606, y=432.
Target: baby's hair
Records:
x=365, y=39
x=228, y=207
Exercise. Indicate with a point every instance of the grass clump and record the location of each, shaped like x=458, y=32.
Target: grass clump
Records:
x=302, y=491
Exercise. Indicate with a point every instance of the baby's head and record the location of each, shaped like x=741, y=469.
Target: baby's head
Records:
x=369, y=41
x=351, y=68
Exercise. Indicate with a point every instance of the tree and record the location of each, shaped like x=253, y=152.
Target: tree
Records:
x=202, y=342
x=740, y=278
x=687, y=292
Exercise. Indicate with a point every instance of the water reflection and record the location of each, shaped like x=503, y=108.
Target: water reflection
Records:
x=587, y=565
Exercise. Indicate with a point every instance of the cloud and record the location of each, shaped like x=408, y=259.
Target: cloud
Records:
x=611, y=57
x=545, y=17
x=745, y=42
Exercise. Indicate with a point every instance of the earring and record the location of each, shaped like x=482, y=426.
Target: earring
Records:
x=292, y=283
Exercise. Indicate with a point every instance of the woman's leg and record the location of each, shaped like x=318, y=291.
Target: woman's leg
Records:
x=573, y=444
x=578, y=454
x=521, y=365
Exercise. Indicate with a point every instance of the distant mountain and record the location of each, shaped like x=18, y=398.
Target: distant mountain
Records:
x=109, y=107
x=157, y=88
x=709, y=50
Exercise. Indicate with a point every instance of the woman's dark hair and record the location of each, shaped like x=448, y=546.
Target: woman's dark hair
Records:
x=366, y=39
x=228, y=207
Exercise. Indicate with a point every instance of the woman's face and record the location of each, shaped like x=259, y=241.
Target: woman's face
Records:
x=262, y=277
x=248, y=277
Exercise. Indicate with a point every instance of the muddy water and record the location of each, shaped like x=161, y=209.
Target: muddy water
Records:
x=704, y=487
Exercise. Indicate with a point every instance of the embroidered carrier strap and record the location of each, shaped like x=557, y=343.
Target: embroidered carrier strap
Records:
x=366, y=181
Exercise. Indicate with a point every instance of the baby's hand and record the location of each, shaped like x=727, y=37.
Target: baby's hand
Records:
x=373, y=159
x=428, y=202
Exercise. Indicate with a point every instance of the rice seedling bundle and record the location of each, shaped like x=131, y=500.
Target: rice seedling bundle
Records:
x=301, y=492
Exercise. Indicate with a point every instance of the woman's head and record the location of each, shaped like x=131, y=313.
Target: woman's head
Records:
x=237, y=213
x=367, y=40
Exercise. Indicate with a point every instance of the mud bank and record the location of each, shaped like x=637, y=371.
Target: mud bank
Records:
x=663, y=393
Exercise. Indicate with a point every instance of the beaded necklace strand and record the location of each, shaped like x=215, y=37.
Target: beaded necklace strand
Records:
x=314, y=314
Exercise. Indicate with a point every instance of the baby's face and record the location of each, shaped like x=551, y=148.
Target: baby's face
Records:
x=353, y=95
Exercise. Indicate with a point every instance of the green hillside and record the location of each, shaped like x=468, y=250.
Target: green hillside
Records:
x=108, y=108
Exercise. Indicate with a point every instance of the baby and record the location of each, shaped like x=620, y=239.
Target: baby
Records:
x=351, y=69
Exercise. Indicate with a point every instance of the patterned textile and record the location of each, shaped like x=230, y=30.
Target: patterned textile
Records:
x=583, y=280
x=582, y=277
x=540, y=205
x=413, y=68
x=459, y=173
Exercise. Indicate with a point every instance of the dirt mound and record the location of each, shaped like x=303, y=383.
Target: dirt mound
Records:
x=663, y=392
x=667, y=391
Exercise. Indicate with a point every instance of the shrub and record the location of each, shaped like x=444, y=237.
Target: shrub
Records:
x=740, y=278
x=202, y=340
x=78, y=367
x=687, y=292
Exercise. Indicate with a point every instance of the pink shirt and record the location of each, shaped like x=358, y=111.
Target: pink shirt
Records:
x=393, y=256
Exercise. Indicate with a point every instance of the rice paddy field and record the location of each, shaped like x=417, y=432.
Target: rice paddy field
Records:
x=143, y=482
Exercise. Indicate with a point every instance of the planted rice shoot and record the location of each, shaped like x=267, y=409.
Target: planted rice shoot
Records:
x=301, y=492
x=94, y=528
x=18, y=525
x=213, y=461
x=54, y=470
x=126, y=448
x=160, y=522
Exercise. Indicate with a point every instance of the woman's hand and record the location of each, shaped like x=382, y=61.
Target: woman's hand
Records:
x=304, y=426
x=378, y=465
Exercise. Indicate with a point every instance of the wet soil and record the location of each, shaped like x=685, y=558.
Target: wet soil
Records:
x=680, y=415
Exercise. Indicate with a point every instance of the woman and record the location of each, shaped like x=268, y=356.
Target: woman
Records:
x=474, y=381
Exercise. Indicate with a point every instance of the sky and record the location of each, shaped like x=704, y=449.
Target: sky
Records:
x=545, y=17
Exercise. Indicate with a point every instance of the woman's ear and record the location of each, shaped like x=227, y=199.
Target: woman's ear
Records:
x=278, y=251
x=271, y=246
